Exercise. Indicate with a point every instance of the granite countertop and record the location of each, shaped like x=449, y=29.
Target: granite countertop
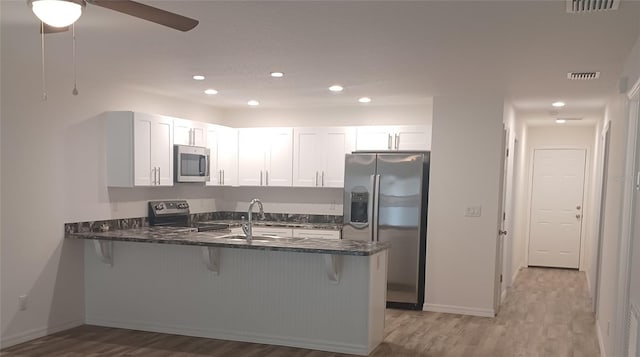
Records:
x=282, y=224
x=188, y=236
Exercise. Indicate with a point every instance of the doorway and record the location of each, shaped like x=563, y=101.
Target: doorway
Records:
x=557, y=207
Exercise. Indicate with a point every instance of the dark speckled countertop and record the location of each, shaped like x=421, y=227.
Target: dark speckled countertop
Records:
x=188, y=236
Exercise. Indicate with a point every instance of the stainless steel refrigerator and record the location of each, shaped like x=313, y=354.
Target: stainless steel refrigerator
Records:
x=386, y=200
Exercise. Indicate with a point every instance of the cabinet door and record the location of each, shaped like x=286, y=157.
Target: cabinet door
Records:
x=198, y=134
x=181, y=131
x=228, y=156
x=338, y=142
x=316, y=233
x=272, y=232
x=143, y=173
x=374, y=138
x=251, y=157
x=308, y=146
x=279, y=157
x=215, y=176
x=413, y=138
x=162, y=150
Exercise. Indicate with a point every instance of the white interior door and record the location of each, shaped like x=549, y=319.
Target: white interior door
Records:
x=501, y=231
x=556, y=207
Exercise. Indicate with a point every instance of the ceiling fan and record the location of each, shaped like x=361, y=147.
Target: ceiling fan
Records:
x=59, y=15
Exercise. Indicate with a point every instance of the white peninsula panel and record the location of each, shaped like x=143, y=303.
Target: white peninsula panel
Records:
x=273, y=297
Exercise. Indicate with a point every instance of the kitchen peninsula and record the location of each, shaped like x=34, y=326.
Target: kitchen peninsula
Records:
x=302, y=292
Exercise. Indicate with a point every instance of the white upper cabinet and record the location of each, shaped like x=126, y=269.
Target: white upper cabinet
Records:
x=223, y=143
x=389, y=138
x=187, y=132
x=139, y=149
x=265, y=156
x=318, y=155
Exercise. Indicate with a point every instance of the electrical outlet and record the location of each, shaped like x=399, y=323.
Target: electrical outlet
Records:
x=473, y=211
x=23, y=299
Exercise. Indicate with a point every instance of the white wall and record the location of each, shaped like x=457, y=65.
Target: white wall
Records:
x=465, y=170
x=616, y=113
x=53, y=172
x=368, y=114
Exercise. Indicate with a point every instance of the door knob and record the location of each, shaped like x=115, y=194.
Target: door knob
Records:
x=577, y=216
x=578, y=207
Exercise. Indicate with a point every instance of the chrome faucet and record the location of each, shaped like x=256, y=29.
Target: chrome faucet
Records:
x=247, y=227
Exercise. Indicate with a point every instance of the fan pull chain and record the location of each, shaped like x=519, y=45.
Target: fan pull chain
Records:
x=44, y=80
x=75, y=71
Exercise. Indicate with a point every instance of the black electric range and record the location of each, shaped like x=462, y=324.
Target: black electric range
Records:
x=175, y=213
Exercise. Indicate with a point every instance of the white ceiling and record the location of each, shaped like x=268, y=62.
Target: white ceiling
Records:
x=393, y=51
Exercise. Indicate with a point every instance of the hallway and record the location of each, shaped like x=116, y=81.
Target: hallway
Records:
x=546, y=313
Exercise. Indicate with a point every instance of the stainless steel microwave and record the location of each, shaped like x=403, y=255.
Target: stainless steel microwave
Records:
x=191, y=163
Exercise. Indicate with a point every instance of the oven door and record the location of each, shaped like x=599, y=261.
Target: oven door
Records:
x=191, y=163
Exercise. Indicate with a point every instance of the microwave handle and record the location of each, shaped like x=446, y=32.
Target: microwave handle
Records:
x=204, y=165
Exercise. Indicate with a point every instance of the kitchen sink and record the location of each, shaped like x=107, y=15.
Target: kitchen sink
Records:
x=261, y=239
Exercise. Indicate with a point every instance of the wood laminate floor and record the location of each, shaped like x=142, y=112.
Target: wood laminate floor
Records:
x=547, y=313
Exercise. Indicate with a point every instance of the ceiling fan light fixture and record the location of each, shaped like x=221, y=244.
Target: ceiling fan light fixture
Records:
x=57, y=13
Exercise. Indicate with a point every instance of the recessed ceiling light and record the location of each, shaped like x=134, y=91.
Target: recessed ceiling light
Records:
x=336, y=88
x=364, y=100
x=560, y=121
x=253, y=103
x=277, y=74
x=198, y=77
x=210, y=91
x=558, y=104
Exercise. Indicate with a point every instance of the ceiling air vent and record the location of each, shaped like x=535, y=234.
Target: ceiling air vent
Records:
x=583, y=76
x=582, y=6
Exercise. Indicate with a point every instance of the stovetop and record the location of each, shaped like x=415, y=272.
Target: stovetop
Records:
x=175, y=213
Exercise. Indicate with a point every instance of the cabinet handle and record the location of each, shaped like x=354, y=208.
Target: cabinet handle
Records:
x=322, y=178
x=153, y=176
x=397, y=141
x=316, y=178
x=223, y=177
x=158, y=175
x=389, y=142
x=267, y=178
x=260, y=177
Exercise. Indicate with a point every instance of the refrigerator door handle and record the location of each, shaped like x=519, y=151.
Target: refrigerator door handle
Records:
x=370, y=205
x=376, y=207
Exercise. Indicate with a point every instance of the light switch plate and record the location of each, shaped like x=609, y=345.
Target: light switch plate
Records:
x=473, y=211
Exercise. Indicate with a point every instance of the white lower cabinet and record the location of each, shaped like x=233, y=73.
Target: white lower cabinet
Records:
x=139, y=149
x=272, y=232
x=290, y=232
x=316, y=233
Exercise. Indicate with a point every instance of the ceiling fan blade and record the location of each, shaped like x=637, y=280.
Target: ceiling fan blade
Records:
x=50, y=29
x=148, y=13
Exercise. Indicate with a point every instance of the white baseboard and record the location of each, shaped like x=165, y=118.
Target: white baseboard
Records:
x=20, y=337
x=460, y=310
x=515, y=275
x=603, y=352
x=234, y=336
